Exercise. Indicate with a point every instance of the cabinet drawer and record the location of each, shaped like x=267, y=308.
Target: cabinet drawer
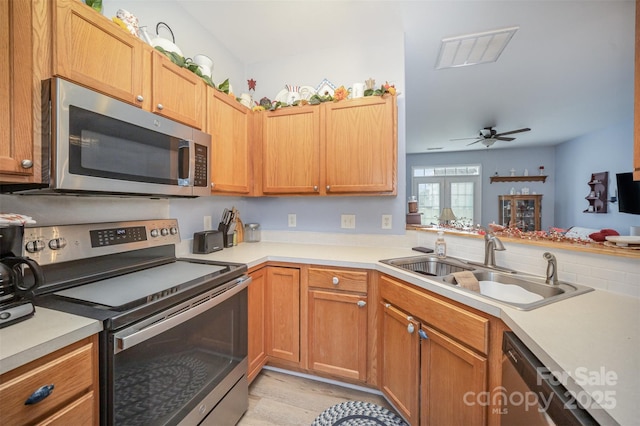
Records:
x=338, y=279
x=79, y=412
x=70, y=371
x=462, y=325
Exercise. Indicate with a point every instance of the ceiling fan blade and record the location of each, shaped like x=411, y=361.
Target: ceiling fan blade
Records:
x=474, y=142
x=463, y=139
x=502, y=138
x=526, y=129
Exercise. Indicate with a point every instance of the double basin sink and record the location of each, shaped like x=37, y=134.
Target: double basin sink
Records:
x=521, y=291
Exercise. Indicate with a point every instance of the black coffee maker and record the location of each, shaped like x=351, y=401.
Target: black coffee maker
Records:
x=16, y=293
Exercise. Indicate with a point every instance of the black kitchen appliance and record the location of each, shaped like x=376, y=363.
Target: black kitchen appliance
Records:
x=16, y=289
x=206, y=242
x=174, y=345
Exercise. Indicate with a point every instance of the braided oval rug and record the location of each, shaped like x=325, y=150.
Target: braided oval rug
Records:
x=358, y=413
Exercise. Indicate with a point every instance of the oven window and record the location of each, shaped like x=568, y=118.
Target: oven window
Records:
x=160, y=380
x=104, y=147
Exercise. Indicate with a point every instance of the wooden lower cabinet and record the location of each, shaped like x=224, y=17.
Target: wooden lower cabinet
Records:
x=433, y=377
x=282, y=313
x=452, y=379
x=400, y=358
x=338, y=334
x=337, y=327
x=72, y=370
x=256, y=350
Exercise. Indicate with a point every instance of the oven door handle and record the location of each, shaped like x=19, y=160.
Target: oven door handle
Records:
x=130, y=337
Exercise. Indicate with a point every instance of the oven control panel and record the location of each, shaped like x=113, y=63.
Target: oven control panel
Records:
x=54, y=244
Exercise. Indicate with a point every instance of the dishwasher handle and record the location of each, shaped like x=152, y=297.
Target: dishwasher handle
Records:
x=177, y=315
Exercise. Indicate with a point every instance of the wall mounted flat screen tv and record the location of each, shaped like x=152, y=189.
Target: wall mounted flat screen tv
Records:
x=628, y=193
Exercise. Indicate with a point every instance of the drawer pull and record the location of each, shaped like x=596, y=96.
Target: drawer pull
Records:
x=361, y=303
x=40, y=394
x=335, y=280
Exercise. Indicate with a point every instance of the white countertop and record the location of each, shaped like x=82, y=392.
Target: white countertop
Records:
x=595, y=337
x=44, y=333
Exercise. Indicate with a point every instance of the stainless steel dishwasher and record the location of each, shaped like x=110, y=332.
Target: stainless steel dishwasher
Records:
x=531, y=396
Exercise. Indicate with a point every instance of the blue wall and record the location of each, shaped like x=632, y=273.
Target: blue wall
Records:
x=502, y=160
x=609, y=150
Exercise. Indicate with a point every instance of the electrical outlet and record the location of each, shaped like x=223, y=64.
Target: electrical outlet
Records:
x=348, y=221
x=207, y=223
x=292, y=220
x=386, y=221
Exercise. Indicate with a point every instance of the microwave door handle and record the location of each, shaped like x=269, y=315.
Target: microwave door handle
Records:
x=185, y=154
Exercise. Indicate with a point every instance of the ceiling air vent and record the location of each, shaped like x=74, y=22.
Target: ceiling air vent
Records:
x=473, y=49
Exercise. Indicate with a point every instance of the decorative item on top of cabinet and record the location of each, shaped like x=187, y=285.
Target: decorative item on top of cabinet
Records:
x=597, y=196
x=520, y=211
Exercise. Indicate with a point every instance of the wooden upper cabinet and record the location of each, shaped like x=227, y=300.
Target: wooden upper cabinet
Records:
x=636, y=115
x=348, y=147
x=177, y=93
x=229, y=124
x=16, y=91
x=361, y=146
x=291, y=151
x=95, y=52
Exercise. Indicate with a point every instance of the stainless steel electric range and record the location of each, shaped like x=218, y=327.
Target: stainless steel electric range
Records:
x=174, y=345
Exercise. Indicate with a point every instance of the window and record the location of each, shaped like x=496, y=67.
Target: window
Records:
x=457, y=187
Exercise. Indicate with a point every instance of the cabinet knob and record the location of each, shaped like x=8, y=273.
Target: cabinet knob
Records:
x=139, y=98
x=39, y=394
x=160, y=107
x=328, y=187
x=410, y=328
x=213, y=185
x=422, y=334
x=26, y=164
x=315, y=188
x=362, y=303
x=335, y=280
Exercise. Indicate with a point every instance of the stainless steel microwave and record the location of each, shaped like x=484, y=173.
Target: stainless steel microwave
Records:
x=95, y=144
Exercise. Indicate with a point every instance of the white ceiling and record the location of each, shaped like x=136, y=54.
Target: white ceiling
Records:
x=567, y=71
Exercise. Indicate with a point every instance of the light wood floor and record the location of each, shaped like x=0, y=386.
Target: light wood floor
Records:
x=282, y=399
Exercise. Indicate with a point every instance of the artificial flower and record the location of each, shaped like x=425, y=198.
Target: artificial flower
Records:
x=340, y=93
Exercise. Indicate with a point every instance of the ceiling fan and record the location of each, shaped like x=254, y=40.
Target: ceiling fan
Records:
x=488, y=136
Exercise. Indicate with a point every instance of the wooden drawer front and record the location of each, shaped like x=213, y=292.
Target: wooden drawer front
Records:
x=71, y=374
x=346, y=280
x=79, y=412
x=464, y=326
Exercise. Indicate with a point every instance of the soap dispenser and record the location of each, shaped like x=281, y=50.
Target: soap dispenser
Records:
x=441, y=245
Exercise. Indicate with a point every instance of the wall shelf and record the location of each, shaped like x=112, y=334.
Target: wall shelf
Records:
x=597, y=196
x=518, y=179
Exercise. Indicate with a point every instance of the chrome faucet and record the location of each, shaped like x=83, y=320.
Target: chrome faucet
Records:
x=552, y=268
x=491, y=244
